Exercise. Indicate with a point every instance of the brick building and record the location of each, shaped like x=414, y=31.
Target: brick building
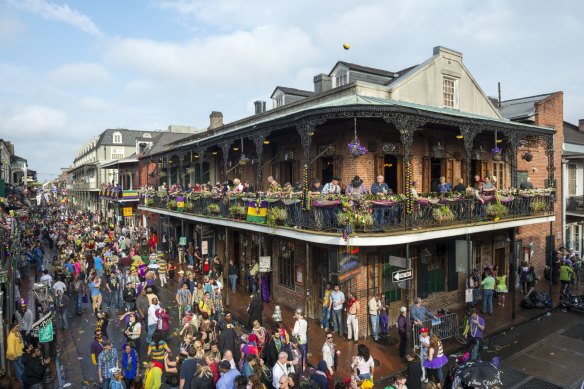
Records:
x=415, y=125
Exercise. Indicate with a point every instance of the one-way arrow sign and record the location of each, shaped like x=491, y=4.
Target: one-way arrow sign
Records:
x=402, y=275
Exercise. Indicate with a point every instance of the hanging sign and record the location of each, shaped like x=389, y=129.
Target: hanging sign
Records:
x=46, y=333
x=265, y=264
x=127, y=211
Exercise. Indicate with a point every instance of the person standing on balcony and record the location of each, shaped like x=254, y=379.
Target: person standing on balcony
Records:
x=332, y=187
x=380, y=186
x=274, y=187
x=316, y=188
x=527, y=184
x=356, y=187
x=460, y=188
x=337, y=301
x=488, y=186
x=237, y=186
x=443, y=186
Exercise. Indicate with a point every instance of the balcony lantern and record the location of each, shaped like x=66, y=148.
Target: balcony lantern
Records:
x=425, y=256
x=41, y=291
x=438, y=150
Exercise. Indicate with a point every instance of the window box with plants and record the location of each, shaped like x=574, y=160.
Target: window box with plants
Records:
x=276, y=216
x=214, y=209
x=442, y=214
x=171, y=204
x=496, y=211
x=237, y=211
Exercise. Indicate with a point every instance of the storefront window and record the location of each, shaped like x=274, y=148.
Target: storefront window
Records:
x=391, y=262
x=286, y=264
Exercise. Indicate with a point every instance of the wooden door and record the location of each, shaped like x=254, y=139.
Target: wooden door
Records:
x=447, y=170
x=426, y=175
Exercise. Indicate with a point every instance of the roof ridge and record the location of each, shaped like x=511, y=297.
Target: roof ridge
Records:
x=528, y=97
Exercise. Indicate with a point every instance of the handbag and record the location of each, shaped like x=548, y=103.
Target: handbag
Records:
x=85, y=299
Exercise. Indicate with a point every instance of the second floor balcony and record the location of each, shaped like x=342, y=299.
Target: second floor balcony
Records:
x=346, y=215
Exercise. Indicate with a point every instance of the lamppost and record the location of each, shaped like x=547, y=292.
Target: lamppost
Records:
x=43, y=328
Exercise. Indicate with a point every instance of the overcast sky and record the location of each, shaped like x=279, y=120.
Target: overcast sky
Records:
x=70, y=69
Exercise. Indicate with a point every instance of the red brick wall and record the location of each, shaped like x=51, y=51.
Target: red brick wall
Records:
x=549, y=113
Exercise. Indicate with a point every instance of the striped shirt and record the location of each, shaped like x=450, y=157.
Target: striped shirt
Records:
x=162, y=267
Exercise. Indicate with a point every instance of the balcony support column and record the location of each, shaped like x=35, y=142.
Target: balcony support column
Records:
x=168, y=177
x=306, y=129
x=179, y=175
x=225, y=150
x=512, y=157
x=258, y=140
x=469, y=133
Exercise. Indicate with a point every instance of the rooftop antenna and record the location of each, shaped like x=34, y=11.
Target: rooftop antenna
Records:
x=499, y=88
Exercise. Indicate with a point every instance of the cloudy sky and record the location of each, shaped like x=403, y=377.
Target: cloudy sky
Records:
x=70, y=69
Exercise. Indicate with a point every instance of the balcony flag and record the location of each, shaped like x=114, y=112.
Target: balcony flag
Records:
x=256, y=211
x=180, y=203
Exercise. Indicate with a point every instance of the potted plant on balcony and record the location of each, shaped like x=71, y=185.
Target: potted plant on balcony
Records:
x=189, y=207
x=276, y=216
x=527, y=156
x=237, y=211
x=442, y=214
x=538, y=206
x=171, y=204
x=355, y=147
x=214, y=209
x=496, y=153
x=496, y=211
x=148, y=201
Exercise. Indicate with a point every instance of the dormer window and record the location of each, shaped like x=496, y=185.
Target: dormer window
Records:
x=117, y=138
x=148, y=136
x=341, y=78
x=278, y=101
x=449, y=92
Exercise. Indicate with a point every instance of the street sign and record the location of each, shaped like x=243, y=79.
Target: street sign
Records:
x=46, y=333
x=127, y=211
x=265, y=264
x=402, y=275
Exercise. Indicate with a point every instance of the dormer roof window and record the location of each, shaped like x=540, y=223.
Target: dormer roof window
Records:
x=117, y=138
x=341, y=78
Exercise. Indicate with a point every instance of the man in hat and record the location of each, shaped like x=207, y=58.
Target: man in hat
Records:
x=332, y=187
x=356, y=187
x=228, y=376
x=25, y=319
x=61, y=302
x=183, y=299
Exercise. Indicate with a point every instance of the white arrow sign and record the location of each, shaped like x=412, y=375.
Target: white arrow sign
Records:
x=402, y=275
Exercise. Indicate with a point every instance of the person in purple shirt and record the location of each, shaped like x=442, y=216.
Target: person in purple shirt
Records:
x=475, y=334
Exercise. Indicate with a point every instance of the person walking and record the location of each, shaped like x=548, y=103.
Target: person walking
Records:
x=436, y=360
x=353, y=309
x=364, y=363
x=403, y=326
x=329, y=353
x=501, y=289
x=475, y=333
x=488, y=284
x=107, y=361
x=61, y=302
x=374, y=306
x=300, y=331
x=152, y=319
x=233, y=273
x=337, y=302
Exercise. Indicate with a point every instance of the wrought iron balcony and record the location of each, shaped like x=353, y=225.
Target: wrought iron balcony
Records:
x=346, y=215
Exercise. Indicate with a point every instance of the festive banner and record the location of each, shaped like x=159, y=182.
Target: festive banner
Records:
x=130, y=195
x=256, y=213
x=38, y=199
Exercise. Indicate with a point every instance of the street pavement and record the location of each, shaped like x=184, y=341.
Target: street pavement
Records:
x=79, y=370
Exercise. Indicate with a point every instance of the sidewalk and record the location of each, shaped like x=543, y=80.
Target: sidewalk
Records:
x=386, y=351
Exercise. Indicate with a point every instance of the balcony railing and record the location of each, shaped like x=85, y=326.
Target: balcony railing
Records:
x=575, y=204
x=82, y=186
x=341, y=214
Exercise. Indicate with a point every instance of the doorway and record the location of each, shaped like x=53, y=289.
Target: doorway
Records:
x=390, y=172
x=500, y=260
x=435, y=173
x=327, y=170
x=320, y=269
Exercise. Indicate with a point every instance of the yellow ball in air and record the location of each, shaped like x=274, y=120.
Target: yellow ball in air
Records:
x=346, y=46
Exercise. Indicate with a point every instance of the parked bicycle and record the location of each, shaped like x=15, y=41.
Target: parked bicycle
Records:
x=462, y=332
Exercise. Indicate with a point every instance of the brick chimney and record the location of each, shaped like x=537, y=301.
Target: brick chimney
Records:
x=215, y=120
x=581, y=125
x=322, y=83
x=260, y=106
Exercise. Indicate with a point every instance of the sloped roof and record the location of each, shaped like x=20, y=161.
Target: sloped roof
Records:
x=163, y=140
x=365, y=69
x=128, y=136
x=572, y=134
x=522, y=108
x=293, y=91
